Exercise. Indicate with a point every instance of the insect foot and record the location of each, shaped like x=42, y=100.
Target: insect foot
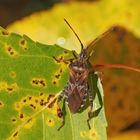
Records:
x=60, y=115
x=90, y=116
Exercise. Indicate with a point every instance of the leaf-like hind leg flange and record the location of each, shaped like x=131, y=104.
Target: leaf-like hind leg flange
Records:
x=91, y=108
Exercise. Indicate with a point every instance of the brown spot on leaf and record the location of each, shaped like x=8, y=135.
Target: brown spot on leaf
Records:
x=10, y=89
x=29, y=97
x=50, y=96
x=41, y=103
x=59, y=113
x=17, y=106
x=1, y=104
x=15, y=134
x=12, y=74
x=21, y=116
x=10, y=50
x=57, y=76
x=24, y=100
x=11, y=53
x=61, y=70
x=48, y=99
x=22, y=42
x=54, y=82
x=5, y=33
x=36, y=101
x=45, y=103
x=13, y=120
x=32, y=106
x=50, y=122
x=41, y=94
x=42, y=83
x=65, y=51
x=52, y=103
x=39, y=82
x=23, y=45
x=29, y=120
x=93, y=134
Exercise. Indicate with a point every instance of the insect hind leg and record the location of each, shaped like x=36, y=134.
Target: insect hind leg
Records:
x=61, y=112
x=59, y=60
x=90, y=116
x=84, y=99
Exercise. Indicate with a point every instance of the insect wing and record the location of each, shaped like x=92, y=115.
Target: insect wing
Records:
x=75, y=100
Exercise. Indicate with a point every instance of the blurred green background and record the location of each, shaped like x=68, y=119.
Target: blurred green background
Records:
x=42, y=20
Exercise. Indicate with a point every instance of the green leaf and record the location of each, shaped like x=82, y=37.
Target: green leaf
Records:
x=30, y=78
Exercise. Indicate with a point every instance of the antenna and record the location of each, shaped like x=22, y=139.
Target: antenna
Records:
x=82, y=46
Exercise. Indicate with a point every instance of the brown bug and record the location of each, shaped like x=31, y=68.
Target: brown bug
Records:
x=77, y=90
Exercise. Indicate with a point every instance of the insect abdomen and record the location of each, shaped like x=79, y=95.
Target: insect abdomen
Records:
x=75, y=98
x=74, y=102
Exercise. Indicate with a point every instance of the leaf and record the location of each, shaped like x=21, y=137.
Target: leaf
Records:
x=30, y=78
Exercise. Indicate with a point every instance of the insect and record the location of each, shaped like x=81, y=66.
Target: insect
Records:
x=77, y=90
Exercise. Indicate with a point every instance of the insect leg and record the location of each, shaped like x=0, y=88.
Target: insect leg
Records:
x=91, y=107
x=74, y=54
x=62, y=94
x=85, y=97
x=60, y=112
x=91, y=53
x=59, y=60
x=84, y=101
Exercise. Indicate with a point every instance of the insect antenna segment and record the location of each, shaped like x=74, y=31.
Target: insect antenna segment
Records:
x=82, y=46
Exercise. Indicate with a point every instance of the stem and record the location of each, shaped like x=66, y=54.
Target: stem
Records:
x=119, y=66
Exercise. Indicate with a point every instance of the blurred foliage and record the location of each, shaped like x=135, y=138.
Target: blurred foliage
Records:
x=94, y=18
x=133, y=135
x=122, y=91
x=15, y=9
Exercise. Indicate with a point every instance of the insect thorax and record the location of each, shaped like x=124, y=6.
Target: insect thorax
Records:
x=78, y=71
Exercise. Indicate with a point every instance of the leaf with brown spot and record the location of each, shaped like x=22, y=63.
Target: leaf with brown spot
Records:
x=38, y=79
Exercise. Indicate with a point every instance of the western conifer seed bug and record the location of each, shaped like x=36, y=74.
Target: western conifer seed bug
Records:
x=77, y=90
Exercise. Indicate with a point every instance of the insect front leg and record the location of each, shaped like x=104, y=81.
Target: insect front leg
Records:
x=74, y=54
x=60, y=112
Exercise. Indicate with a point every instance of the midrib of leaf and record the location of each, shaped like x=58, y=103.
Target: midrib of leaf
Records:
x=71, y=122
x=43, y=124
